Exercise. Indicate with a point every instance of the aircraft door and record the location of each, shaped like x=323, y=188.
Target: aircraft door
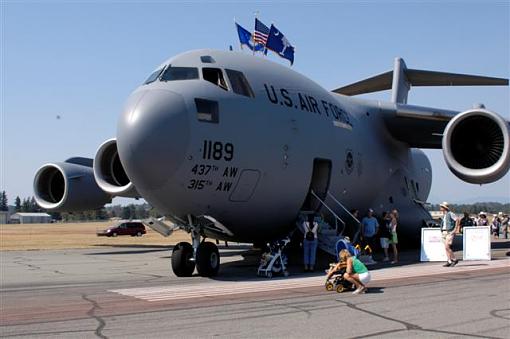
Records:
x=321, y=176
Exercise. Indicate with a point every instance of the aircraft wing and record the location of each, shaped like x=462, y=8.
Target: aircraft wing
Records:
x=418, y=77
x=420, y=127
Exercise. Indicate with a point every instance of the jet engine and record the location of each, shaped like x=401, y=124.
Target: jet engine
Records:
x=68, y=186
x=476, y=146
x=109, y=172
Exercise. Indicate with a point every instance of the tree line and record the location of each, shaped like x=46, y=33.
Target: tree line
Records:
x=20, y=205
x=131, y=211
x=488, y=207
x=144, y=211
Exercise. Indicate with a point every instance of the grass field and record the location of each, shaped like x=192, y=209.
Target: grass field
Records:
x=75, y=235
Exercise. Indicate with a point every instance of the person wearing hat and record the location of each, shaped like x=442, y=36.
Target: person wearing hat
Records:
x=482, y=219
x=449, y=227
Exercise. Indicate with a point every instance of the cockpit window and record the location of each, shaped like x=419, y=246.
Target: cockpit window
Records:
x=215, y=75
x=239, y=83
x=207, y=59
x=153, y=77
x=179, y=73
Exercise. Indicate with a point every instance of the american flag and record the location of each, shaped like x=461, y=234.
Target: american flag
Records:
x=261, y=33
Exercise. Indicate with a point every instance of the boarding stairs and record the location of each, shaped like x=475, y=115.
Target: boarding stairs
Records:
x=161, y=226
x=330, y=233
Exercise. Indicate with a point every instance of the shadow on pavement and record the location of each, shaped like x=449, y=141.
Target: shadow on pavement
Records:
x=134, y=249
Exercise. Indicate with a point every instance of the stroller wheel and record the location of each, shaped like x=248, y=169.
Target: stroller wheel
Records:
x=269, y=275
x=329, y=286
x=285, y=273
x=340, y=288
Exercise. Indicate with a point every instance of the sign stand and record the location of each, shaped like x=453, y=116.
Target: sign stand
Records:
x=477, y=243
x=432, y=247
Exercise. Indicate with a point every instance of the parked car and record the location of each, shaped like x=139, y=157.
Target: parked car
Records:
x=132, y=228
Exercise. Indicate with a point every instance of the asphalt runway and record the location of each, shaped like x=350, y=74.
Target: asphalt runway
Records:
x=130, y=292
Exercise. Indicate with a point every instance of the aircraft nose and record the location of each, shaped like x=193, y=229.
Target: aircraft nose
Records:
x=152, y=137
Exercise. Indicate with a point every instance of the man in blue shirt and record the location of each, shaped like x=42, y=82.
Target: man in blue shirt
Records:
x=369, y=228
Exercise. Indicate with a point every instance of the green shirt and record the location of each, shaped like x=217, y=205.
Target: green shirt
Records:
x=358, y=266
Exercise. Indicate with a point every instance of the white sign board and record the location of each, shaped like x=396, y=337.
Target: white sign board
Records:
x=432, y=246
x=477, y=243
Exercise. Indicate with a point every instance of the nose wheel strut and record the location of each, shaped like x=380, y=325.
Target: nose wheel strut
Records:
x=203, y=255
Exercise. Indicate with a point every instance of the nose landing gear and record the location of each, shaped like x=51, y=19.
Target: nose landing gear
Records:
x=204, y=255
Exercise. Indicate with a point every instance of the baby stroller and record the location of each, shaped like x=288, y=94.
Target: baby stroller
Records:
x=337, y=282
x=274, y=260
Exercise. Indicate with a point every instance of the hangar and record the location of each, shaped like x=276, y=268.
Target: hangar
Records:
x=30, y=218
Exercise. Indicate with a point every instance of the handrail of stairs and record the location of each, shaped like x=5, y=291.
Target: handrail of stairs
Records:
x=356, y=235
x=329, y=209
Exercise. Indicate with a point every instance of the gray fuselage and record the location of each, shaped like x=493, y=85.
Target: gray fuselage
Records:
x=249, y=161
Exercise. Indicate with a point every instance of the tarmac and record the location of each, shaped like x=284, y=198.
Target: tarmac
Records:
x=130, y=292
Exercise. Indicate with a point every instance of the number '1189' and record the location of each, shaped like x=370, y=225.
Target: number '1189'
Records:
x=217, y=150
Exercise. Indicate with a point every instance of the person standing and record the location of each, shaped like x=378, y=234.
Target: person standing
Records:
x=394, y=239
x=482, y=219
x=449, y=227
x=385, y=234
x=505, y=223
x=466, y=221
x=311, y=228
x=369, y=228
x=495, y=225
x=351, y=226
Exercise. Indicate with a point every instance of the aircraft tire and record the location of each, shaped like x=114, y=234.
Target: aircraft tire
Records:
x=182, y=265
x=208, y=259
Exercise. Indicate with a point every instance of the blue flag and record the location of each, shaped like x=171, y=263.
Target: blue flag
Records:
x=245, y=38
x=278, y=43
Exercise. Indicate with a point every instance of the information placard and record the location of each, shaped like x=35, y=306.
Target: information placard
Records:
x=432, y=247
x=477, y=243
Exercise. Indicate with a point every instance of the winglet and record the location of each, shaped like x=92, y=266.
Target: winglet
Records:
x=401, y=85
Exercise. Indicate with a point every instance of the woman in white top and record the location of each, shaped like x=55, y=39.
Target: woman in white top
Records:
x=394, y=238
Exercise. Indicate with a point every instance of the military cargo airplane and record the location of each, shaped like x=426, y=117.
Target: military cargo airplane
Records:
x=232, y=146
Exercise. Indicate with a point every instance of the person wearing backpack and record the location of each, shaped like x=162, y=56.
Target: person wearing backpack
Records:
x=311, y=228
x=449, y=227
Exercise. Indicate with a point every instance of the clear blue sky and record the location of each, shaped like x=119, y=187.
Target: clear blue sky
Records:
x=80, y=60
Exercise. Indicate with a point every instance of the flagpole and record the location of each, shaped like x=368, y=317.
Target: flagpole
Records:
x=253, y=34
x=235, y=25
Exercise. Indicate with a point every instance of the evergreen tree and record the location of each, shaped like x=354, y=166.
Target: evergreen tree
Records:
x=33, y=206
x=100, y=214
x=25, y=206
x=3, y=202
x=17, y=204
x=126, y=212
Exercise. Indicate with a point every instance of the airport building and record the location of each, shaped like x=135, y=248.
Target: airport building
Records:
x=4, y=216
x=30, y=218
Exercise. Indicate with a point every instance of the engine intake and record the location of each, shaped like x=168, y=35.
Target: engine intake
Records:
x=67, y=186
x=476, y=146
x=109, y=172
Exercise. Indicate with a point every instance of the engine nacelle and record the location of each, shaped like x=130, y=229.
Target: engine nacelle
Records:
x=109, y=172
x=476, y=146
x=68, y=187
